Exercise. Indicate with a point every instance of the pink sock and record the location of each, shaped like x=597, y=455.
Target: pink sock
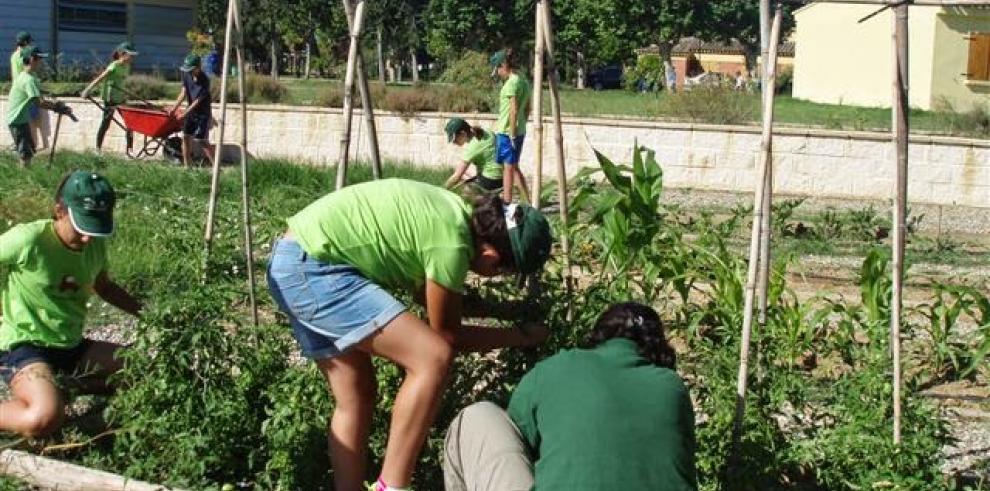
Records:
x=380, y=485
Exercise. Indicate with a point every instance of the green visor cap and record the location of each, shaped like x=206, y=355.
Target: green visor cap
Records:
x=23, y=37
x=90, y=200
x=29, y=52
x=126, y=47
x=529, y=233
x=497, y=59
x=191, y=62
x=453, y=124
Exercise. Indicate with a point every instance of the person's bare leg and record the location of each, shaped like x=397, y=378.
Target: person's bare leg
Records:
x=37, y=408
x=521, y=182
x=508, y=177
x=426, y=358
x=97, y=363
x=186, y=150
x=208, y=151
x=352, y=382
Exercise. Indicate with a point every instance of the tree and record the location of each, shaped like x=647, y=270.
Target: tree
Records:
x=459, y=25
x=728, y=20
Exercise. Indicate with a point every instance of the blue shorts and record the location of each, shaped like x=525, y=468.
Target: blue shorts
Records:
x=197, y=125
x=331, y=307
x=506, y=153
x=61, y=360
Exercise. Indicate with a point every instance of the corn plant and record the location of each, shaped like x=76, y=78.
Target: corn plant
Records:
x=952, y=354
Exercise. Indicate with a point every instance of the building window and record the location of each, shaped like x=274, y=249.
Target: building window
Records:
x=979, y=57
x=91, y=16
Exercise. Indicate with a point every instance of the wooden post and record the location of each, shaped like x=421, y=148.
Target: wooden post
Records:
x=754, y=247
x=538, y=108
x=763, y=279
x=46, y=473
x=215, y=178
x=245, y=187
x=368, y=110
x=900, y=127
x=558, y=135
x=352, y=57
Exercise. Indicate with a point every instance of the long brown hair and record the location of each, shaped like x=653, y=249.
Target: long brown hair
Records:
x=640, y=324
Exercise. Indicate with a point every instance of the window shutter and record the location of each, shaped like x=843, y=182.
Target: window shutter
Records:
x=979, y=57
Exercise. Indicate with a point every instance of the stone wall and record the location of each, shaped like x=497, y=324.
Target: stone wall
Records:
x=830, y=164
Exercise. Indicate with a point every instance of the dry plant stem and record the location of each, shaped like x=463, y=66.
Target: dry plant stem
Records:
x=558, y=134
x=754, y=248
x=352, y=57
x=538, y=108
x=900, y=127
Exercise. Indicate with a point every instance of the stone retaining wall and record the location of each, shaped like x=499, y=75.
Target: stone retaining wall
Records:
x=821, y=163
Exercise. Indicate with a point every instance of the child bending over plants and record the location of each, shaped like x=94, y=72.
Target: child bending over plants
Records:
x=329, y=272
x=54, y=266
x=479, y=150
x=613, y=416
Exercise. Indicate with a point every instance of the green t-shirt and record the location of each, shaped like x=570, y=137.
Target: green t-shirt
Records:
x=16, y=64
x=518, y=87
x=396, y=232
x=114, y=83
x=24, y=92
x=481, y=153
x=605, y=419
x=48, y=286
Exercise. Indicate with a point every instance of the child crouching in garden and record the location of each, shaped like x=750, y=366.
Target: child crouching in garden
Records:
x=54, y=266
x=329, y=273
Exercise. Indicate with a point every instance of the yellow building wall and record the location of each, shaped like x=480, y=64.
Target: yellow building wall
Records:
x=952, y=59
x=841, y=61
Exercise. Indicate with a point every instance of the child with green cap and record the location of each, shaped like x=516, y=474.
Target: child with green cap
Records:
x=510, y=129
x=23, y=40
x=25, y=96
x=54, y=266
x=112, y=91
x=38, y=118
x=197, y=117
x=329, y=272
x=479, y=150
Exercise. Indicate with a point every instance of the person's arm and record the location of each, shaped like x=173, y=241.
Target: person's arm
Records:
x=115, y=295
x=443, y=308
x=178, y=101
x=458, y=174
x=513, y=114
x=97, y=80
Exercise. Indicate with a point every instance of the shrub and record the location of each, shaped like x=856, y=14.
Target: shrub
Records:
x=460, y=99
x=649, y=69
x=334, y=96
x=784, y=81
x=146, y=87
x=712, y=104
x=974, y=122
x=258, y=88
x=409, y=102
x=470, y=70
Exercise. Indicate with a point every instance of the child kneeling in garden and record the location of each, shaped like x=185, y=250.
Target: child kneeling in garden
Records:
x=54, y=266
x=329, y=273
x=614, y=416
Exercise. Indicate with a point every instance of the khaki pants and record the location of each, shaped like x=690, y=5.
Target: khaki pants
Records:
x=484, y=451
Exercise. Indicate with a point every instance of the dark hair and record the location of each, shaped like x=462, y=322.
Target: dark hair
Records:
x=474, y=131
x=511, y=59
x=58, y=190
x=640, y=324
x=116, y=55
x=488, y=225
x=21, y=44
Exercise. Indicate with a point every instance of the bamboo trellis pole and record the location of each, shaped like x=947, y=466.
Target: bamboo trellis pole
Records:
x=368, y=110
x=49, y=473
x=215, y=178
x=763, y=279
x=245, y=181
x=352, y=57
x=899, y=113
x=558, y=137
x=538, y=107
x=766, y=158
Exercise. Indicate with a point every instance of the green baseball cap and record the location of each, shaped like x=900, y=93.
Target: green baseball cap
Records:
x=190, y=62
x=24, y=37
x=529, y=234
x=90, y=200
x=497, y=58
x=126, y=47
x=453, y=125
x=29, y=52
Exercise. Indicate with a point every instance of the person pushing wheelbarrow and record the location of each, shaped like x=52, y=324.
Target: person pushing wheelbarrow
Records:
x=197, y=118
x=112, y=92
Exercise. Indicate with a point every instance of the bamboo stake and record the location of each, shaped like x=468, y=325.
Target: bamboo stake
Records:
x=215, y=178
x=352, y=57
x=245, y=182
x=558, y=135
x=368, y=110
x=899, y=113
x=49, y=473
x=754, y=248
x=763, y=280
x=538, y=107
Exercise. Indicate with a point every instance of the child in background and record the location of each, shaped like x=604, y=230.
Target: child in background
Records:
x=25, y=97
x=510, y=129
x=479, y=150
x=112, y=91
x=54, y=266
x=197, y=117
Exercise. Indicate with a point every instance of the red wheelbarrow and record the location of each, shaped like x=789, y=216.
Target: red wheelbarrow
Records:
x=156, y=125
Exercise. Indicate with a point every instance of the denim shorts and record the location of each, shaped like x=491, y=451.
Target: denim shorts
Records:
x=61, y=360
x=331, y=307
x=508, y=151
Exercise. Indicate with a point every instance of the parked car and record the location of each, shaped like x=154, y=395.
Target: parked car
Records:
x=607, y=77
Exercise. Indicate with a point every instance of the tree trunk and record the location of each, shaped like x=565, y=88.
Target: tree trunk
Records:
x=309, y=56
x=398, y=71
x=415, y=66
x=274, y=58
x=580, y=70
x=390, y=70
x=670, y=73
x=381, y=59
